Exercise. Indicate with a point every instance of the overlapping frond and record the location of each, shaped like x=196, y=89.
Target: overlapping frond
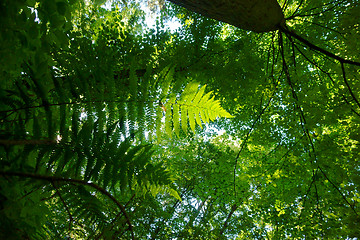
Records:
x=79, y=122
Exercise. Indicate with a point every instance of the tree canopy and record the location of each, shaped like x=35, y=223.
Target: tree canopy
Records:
x=114, y=129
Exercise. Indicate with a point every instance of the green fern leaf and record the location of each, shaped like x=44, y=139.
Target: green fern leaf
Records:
x=141, y=118
x=196, y=108
x=75, y=123
x=107, y=173
x=55, y=155
x=166, y=76
x=133, y=82
x=189, y=92
x=42, y=154
x=199, y=95
x=79, y=162
x=158, y=122
x=168, y=121
x=176, y=119
x=184, y=118
x=64, y=130
x=122, y=118
x=50, y=124
x=172, y=192
x=191, y=118
x=89, y=166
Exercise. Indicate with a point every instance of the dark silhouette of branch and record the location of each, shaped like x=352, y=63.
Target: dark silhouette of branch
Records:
x=306, y=131
x=313, y=179
x=317, y=48
x=76, y=181
x=171, y=210
x=112, y=223
x=297, y=9
x=328, y=75
x=322, y=26
x=290, y=148
x=226, y=223
x=348, y=86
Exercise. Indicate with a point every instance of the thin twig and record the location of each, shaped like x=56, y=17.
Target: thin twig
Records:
x=338, y=190
x=248, y=135
x=313, y=179
x=347, y=84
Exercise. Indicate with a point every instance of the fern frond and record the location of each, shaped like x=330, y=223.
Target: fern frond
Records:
x=166, y=76
x=196, y=108
x=141, y=118
x=154, y=190
x=176, y=119
x=150, y=115
x=158, y=122
x=168, y=122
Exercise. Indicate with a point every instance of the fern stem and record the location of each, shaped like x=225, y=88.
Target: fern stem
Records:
x=69, y=103
x=12, y=142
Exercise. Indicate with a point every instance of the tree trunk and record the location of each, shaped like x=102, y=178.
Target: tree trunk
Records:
x=254, y=15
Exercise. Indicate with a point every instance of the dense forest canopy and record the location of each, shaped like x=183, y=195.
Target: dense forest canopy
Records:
x=113, y=129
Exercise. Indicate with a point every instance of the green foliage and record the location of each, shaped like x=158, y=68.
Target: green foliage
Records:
x=113, y=130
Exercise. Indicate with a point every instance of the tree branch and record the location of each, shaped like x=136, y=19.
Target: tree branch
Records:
x=348, y=86
x=77, y=181
x=316, y=48
x=226, y=223
x=329, y=76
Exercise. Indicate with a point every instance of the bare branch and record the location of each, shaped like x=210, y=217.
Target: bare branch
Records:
x=76, y=181
x=226, y=223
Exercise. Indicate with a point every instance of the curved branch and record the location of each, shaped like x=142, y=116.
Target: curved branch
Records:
x=71, y=219
x=317, y=48
x=328, y=75
x=306, y=131
x=77, y=181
